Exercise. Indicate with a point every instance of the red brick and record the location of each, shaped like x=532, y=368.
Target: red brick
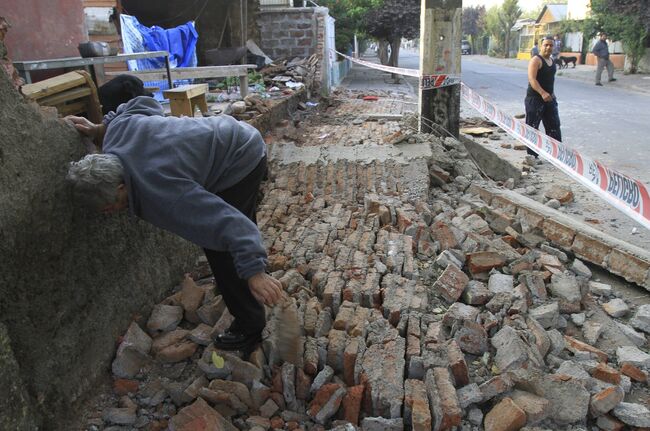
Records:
x=349, y=361
x=351, y=404
x=561, y=194
x=303, y=384
x=412, y=346
x=579, y=345
x=485, y=195
x=443, y=234
x=532, y=218
x=634, y=372
x=198, y=416
x=125, y=386
x=403, y=220
x=277, y=422
x=457, y=364
x=559, y=233
x=505, y=204
x=451, y=283
x=607, y=374
x=591, y=249
x=416, y=403
x=451, y=412
x=608, y=423
x=496, y=386
x=606, y=400
x=484, y=261
x=628, y=266
x=177, y=352
x=505, y=416
x=322, y=396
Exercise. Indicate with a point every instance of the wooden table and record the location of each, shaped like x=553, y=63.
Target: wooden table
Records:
x=26, y=66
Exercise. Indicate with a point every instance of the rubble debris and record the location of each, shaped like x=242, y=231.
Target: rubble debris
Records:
x=428, y=308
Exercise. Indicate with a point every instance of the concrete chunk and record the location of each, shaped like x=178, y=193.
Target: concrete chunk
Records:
x=641, y=318
x=633, y=355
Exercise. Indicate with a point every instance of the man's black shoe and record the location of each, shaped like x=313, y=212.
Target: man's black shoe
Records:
x=612, y=80
x=237, y=341
x=599, y=84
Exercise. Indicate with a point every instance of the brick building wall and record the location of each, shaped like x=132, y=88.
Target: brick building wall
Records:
x=295, y=32
x=289, y=32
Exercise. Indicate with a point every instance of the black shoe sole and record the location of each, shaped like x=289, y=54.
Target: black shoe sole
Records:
x=246, y=345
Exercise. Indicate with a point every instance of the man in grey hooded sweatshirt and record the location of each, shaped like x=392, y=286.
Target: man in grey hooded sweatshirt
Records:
x=198, y=178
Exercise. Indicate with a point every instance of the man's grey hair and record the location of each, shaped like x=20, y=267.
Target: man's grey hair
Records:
x=95, y=179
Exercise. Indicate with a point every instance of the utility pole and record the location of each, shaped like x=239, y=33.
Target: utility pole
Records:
x=440, y=36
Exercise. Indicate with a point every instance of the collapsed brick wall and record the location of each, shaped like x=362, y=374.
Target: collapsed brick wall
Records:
x=71, y=281
x=294, y=32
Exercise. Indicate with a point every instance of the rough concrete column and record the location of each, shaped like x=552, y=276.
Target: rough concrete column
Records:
x=71, y=281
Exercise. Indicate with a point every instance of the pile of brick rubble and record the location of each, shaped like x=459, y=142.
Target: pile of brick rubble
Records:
x=422, y=309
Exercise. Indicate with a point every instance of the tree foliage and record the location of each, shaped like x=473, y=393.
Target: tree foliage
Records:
x=624, y=20
x=509, y=13
x=473, y=22
x=392, y=21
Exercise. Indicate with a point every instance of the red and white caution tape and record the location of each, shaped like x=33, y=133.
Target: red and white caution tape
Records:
x=427, y=82
x=627, y=194
x=396, y=70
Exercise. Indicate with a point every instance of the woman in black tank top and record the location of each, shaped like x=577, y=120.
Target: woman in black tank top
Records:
x=540, y=102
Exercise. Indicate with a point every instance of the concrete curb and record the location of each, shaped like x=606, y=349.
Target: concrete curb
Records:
x=618, y=257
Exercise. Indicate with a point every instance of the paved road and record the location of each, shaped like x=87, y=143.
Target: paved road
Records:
x=606, y=123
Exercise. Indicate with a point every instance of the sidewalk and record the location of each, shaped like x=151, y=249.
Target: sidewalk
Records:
x=361, y=78
x=637, y=82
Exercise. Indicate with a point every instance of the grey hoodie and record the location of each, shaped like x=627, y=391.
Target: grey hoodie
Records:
x=174, y=166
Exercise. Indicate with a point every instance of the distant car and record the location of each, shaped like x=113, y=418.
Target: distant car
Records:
x=465, y=47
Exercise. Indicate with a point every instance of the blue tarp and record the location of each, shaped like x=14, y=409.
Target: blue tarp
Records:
x=180, y=42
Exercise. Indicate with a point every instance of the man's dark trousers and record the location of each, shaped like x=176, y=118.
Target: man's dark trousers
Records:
x=538, y=111
x=249, y=314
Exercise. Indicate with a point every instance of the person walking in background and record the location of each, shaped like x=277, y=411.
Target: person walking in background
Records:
x=540, y=102
x=535, y=50
x=601, y=51
x=557, y=48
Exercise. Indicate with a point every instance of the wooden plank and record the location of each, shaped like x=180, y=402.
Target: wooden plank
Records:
x=75, y=93
x=71, y=108
x=191, y=72
x=53, y=85
x=99, y=3
x=186, y=91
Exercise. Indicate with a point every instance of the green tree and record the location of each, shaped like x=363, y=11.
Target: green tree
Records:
x=624, y=20
x=473, y=24
x=493, y=29
x=509, y=13
x=390, y=22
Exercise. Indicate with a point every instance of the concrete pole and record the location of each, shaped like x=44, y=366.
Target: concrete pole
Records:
x=356, y=46
x=440, y=36
x=243, y=12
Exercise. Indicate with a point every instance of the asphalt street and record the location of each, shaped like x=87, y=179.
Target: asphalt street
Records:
x=605, y=123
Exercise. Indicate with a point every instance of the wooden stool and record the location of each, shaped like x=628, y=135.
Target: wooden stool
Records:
x=72, y=93
x=184, y=99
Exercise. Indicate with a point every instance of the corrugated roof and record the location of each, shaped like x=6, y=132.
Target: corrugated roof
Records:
x=521, y=23
x=559, y=11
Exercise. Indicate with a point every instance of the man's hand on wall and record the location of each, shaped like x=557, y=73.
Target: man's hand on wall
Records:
x=85, y=126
